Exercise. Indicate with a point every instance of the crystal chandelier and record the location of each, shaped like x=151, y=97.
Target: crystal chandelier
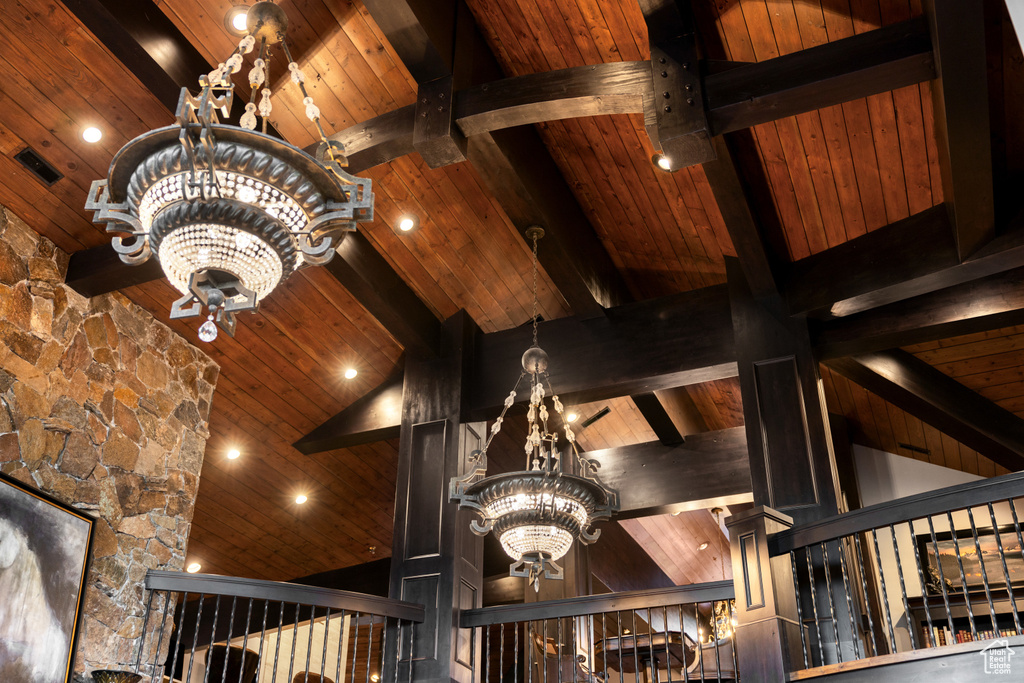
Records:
x=538, y=512
x=227, y=210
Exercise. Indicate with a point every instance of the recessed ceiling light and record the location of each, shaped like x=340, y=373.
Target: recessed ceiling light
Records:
x=233, y=454
x=193, y=568
x=92, y=134
x=663, y=162
x=572, y=417
x=703, y=546
x=374, y=677
x=234, y=20
x=408, y=222
x=300, y=499
x=351, y=373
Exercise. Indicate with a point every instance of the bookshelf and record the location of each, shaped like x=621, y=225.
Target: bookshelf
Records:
x=942, y=634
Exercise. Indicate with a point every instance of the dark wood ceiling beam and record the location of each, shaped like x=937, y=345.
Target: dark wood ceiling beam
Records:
x=905, y=259
x=911, y=384
x=987, y=304
x=681, y=129
x=735, y=198
x=99, y=270
x=633, y=349
x=740, y=97
x=377, y=416
x=657, y=416
x=646, y=346
x=960, y=102
x=647, y=475
x=360, y=268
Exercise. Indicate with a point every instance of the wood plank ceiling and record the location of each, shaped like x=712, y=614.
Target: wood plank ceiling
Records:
x=827, y=177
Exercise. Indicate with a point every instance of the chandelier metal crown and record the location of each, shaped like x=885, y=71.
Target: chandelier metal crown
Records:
x=227, y=210
x=536, y=513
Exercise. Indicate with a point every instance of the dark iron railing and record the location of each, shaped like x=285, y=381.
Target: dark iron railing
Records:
x=665, y=635
x=219, y=629
x=929, y=570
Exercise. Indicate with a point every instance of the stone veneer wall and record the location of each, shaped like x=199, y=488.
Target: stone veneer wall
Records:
x=106, y=408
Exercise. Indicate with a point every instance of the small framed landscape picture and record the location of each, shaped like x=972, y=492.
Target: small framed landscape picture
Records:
x=944, y=559
x=44, y=556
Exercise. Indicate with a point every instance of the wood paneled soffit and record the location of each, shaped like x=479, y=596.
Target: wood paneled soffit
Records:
x=911, y=384
x=740, y=97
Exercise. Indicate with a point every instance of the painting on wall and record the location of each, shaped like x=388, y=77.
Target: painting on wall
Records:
x=44, y=557
x=942, y=563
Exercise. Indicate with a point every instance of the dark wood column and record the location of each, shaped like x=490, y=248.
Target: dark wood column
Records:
x=792, y=467
x=436, y=559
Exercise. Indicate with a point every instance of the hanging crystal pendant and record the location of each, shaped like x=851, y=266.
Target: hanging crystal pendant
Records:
x=208, y=330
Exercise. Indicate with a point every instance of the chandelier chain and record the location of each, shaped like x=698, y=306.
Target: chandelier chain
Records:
x=535, y=236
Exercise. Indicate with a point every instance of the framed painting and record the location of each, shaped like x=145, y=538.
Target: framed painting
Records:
x=45, y=549
x=939, y=560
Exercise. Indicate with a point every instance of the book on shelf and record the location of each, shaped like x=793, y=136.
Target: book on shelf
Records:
x=941, y=635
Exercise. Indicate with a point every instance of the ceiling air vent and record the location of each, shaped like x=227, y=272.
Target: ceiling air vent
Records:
x=31, y=160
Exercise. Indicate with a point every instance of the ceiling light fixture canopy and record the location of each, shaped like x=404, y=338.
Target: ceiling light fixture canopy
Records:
x=230, y=211
x=537, y=513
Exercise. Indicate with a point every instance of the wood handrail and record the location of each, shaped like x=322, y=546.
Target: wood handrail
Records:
x=901, y=510
x=597, y=604
x=277, y=591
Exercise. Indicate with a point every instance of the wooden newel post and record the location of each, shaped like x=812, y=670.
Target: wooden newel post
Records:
x=436, y=559
x=767, y=638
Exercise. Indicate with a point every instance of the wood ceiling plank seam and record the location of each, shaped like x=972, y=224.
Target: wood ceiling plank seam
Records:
x=760, y=29
x=812, y=223
x=307, y=306
x=487, y=311
x=828, y=386
x=505, y=250
x=776, y=169
x=252, y=353
x=601, y=214
x=627, y=35
x=986, y=468
x=813, y=32
x=647, y=198
x=984, y=358
x=548, y=25
x=931, y=144
x=244, y=391
x=864, y=416
x=258, y=418
x=309, y=538
x=260, y=499
x=986, y=380
x=419, y=268
x=221, y=532
x=951, y=453
x=880, y=415
x=637, y=204
x=45, y=110
x=865, y=163
x=915, y=432
x=663, y=190
x=882, y=112
x=91, y=52
x=708, y=217
x=39, y=52
x=365, y=325
x=837, y=141
x=379, y=54
x=36, y=206
x=598, y=30
x=910, y=124
x=334, y=42
x=580, y=32
x=471, y=250
x=30, y=213
x=254, y=568
x=489, y=23
x=901, y=433
x=63, y=155
x=736, y=41
x=812, y=134
x=63, y=195
x=591, y=167
x=969, y=461
x=785, y=26
x=187, y=16
x=531, y=56
x=53, y=68
x=866, y=15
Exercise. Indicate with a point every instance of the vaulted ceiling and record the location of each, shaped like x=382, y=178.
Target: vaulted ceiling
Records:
x=825, y=188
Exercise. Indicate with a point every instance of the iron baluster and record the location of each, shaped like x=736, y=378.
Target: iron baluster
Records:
x=903, y=587
x=924, y=590
x=864, y=588
x=145, y=625
x=177, y=639
x=831, y=600
x=885, y=595
x=849, y=600
x=984, y=573
x=195, y=639
x=814, y=604
x=160, y=640
x=942, y=577
x=963, y=578
x=1006, y=571
x=799, y=607
x=277, y=645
